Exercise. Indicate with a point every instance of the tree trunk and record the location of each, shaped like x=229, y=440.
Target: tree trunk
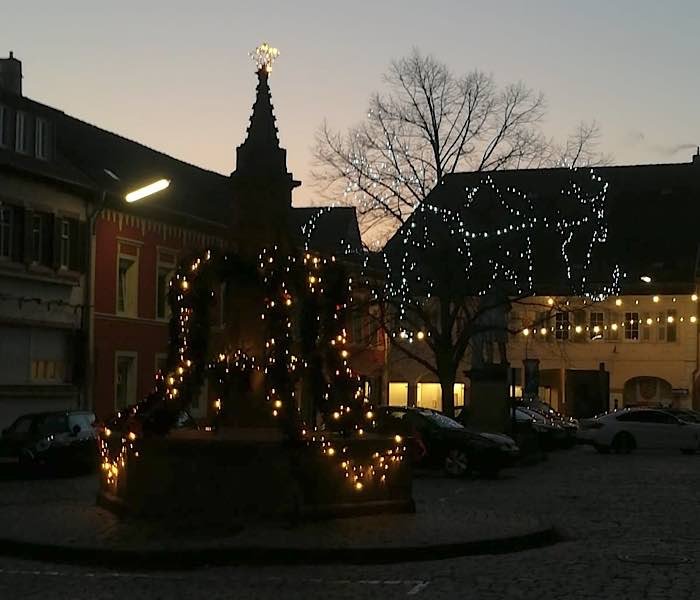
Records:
x=447, y=385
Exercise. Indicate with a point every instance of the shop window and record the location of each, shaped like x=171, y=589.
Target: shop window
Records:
x=398, y=393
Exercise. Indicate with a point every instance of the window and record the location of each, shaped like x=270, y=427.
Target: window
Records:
x=398, y=393
x=164, y=273
x=5, y=232
x=125, y=379
x=631, y=325
x=429, y=395
x=661, y=327
x=161, y=362
x=52, y=424
x=48, y=370
x=64, y=256
x=561, y=326
x=459, y=394
x=357, y=327
x=648, y=416
x=37, y=238
x=127, y=280
x=671, y=327
x=596, y=325
x=21, y=425
x=614, y=326
x=646, y=326
x=3, y=126
x=21, y=133
x=41, y=139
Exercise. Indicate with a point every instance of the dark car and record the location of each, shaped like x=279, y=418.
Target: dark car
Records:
x=440, y=441
x=566, y=427
x=150, y=420
x=55, y=439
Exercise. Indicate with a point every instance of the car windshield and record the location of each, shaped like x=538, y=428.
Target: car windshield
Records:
x=441, y=420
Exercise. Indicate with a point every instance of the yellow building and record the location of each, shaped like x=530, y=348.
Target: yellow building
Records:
x=638, y=346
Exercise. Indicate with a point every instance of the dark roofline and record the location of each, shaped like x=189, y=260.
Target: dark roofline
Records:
x=62, y=114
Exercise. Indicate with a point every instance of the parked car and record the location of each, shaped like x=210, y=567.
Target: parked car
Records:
x=155, y=421
x=568, y=426
x=630, y=428
x=55, y=439
x=685, y=414
x=440, y=441
x=549, y=435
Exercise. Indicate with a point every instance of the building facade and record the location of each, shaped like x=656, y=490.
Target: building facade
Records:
x=637, y=347
x=42, y=267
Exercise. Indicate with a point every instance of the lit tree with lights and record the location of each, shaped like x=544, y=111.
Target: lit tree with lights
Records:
x=454, y=270
x=430, y=123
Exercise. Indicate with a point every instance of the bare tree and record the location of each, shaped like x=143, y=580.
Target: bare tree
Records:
x=466, y=256
x=579, y=150
x=429, y=123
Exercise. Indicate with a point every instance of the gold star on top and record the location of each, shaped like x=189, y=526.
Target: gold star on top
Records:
x=264, y=55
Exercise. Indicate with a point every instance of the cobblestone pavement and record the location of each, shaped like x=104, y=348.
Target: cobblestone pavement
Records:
x=63, y=512
x=632, y=521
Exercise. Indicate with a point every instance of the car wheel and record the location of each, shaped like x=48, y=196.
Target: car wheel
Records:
x=623, y=443
x=456, y=463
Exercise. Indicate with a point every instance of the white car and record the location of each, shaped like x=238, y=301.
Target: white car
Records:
x=630, y=428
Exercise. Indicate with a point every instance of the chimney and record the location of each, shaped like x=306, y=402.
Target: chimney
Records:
x=696, y=157
x=11, y=74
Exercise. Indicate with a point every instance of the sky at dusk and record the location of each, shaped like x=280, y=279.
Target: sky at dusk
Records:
x=175, y=75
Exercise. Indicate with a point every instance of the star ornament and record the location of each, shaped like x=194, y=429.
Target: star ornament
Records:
x=263, y=56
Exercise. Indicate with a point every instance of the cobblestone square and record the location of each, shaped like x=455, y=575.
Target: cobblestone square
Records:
x=630, y=524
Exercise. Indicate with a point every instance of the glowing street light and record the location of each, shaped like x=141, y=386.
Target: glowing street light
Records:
x=147, y=190
x=646, y=278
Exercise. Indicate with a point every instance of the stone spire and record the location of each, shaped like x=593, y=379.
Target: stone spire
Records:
x=262, y=185
x=260, y=153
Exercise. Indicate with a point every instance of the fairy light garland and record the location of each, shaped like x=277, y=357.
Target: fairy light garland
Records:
x=291, y=284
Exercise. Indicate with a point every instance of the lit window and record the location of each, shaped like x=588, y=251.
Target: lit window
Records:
x=596, y=325
x=65, y=244
x=5, y=232
x=20, y=133
x=48, y=370
x=561, y=326
x=398, y=393
x=41, y=139
x=429, y=395
x=631, y=325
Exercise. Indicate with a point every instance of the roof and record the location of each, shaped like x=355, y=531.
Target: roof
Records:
x=98, y=160
x=650, y=216
x=333, y=230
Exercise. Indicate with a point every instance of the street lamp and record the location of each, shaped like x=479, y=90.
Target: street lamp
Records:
x=147, y=190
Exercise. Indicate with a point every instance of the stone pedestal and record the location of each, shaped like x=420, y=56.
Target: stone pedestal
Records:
x=239, y=475
x=489, y=407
